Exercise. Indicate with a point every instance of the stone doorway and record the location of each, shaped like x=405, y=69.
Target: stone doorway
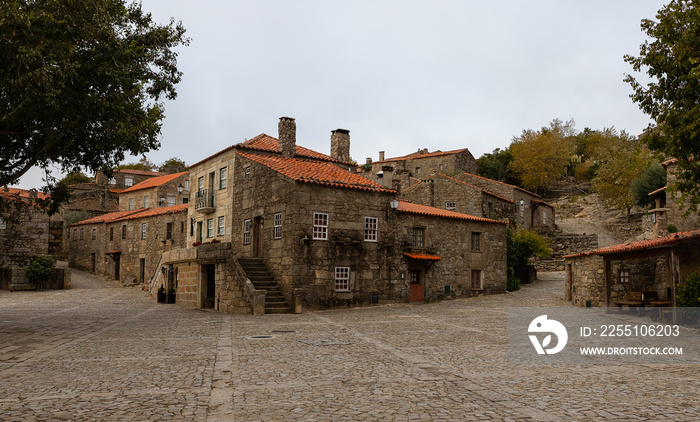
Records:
x=209, y=286
x=417, y=288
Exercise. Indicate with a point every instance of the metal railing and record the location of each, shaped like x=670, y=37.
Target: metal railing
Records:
x=204, y=199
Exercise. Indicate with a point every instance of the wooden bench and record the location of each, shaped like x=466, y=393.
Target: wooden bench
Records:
x=632, y=300
x=649, y=297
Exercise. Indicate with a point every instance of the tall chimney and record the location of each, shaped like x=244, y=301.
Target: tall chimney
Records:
x=340, y=145
x=287, y=136
x=381, y=155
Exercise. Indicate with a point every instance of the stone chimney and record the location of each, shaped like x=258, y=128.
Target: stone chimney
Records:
x=340, y=145
x=287, y=136
x=381, y=155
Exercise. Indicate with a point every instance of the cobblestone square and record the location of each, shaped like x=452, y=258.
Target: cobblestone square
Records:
x=105, y=353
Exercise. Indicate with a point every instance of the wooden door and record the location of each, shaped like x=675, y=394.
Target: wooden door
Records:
x=417, y=292
x=257, y=237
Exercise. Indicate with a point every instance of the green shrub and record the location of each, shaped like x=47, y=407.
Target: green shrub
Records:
x=513, y=284
x=524, y=244
x=688, y=296
x=672, y=228
x=39, y=271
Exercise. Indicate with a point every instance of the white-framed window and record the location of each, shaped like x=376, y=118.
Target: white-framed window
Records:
x=476, y=241
x=451, y=206
x=131, y=204
x=544, y=217
x=145, y=201
x=172, y=201
x=223, y=173
x=342, y=279
x=418, y=237
x=247, y=172
x=210, y=227
x=94, y=234
x=3, y=224
x=320, y=226
x=187, y=185
x=624, y=276
x=371, y=229
x=277, y=229
x=220, y=226
x=477, y=281
x=81, y=233
x=200, y=184
x=128, y=181
x=522, y=207
x=247, y=225
x=143, y=231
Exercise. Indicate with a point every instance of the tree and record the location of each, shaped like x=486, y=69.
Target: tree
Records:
x=672, y=61
x=74, y=178
x=173, y=165
x=626, y=160
x=652, y=179
x=39, y=271
x=143, y=164
x=540, y=157
x=82, y=83
x=495, y=166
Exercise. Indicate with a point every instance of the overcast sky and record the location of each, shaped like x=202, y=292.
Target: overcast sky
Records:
x=400, y=75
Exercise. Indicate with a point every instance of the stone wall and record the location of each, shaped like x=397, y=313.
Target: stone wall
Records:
x=585, y=280
x=23, y=235
x=422, y=166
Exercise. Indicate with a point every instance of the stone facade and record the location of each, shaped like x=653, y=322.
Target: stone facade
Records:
x=24, y=233
x=530, y=211
x=119, y=246
x=161, y=191
x=124, y=178
x=419, y=165
x=446, y=192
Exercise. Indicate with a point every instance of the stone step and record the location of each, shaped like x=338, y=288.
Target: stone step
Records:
x=258, y=274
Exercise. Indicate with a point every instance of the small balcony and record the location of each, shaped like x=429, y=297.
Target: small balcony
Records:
x=204, y=201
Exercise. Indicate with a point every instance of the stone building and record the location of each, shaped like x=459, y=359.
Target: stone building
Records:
x=603, y=276
x=24, y=233
x=396, y=172
x=449, y=193
x=159, y=191
x=326, y=235
x=127, y=245
x=530, y=212
x=124, y=178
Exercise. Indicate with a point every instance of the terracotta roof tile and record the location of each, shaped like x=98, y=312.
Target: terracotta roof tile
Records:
x=503, y=183
x=672, y=239
x=267, y=143
x=417, y=155
x=24, y=193
x=139, y=172
x=421, y=256
x=409, y=207
x=132, y=214
x=154, y=182
x=316, y=172
x=21, y=199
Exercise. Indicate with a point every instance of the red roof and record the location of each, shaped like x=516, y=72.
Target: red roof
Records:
x=421, y=256
x=308, y=171
x=267, y=143
x=23, y=200
x=132, y=214
x=672, y=239
x=154, y=182
x=24, y=193
x=417, y=155
x=412, y=208
x=138, y=172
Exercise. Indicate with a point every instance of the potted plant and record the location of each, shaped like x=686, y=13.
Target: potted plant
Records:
x=161, y=294
x=171, y=295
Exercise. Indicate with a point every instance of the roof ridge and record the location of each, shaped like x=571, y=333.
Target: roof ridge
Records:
x=439, y=212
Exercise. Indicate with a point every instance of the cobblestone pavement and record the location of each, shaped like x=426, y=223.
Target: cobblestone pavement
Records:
x=104, y=353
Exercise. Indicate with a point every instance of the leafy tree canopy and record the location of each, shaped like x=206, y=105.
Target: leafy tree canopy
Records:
x=173, y=165
x=82, y=83
x=495, y=166
x=524, y=244
x=74, y=178
x=540, y=157
x=652, y=179
x=143, y=164
x=671, y=58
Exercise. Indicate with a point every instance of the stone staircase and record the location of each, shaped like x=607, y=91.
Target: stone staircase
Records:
x=262, y=279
